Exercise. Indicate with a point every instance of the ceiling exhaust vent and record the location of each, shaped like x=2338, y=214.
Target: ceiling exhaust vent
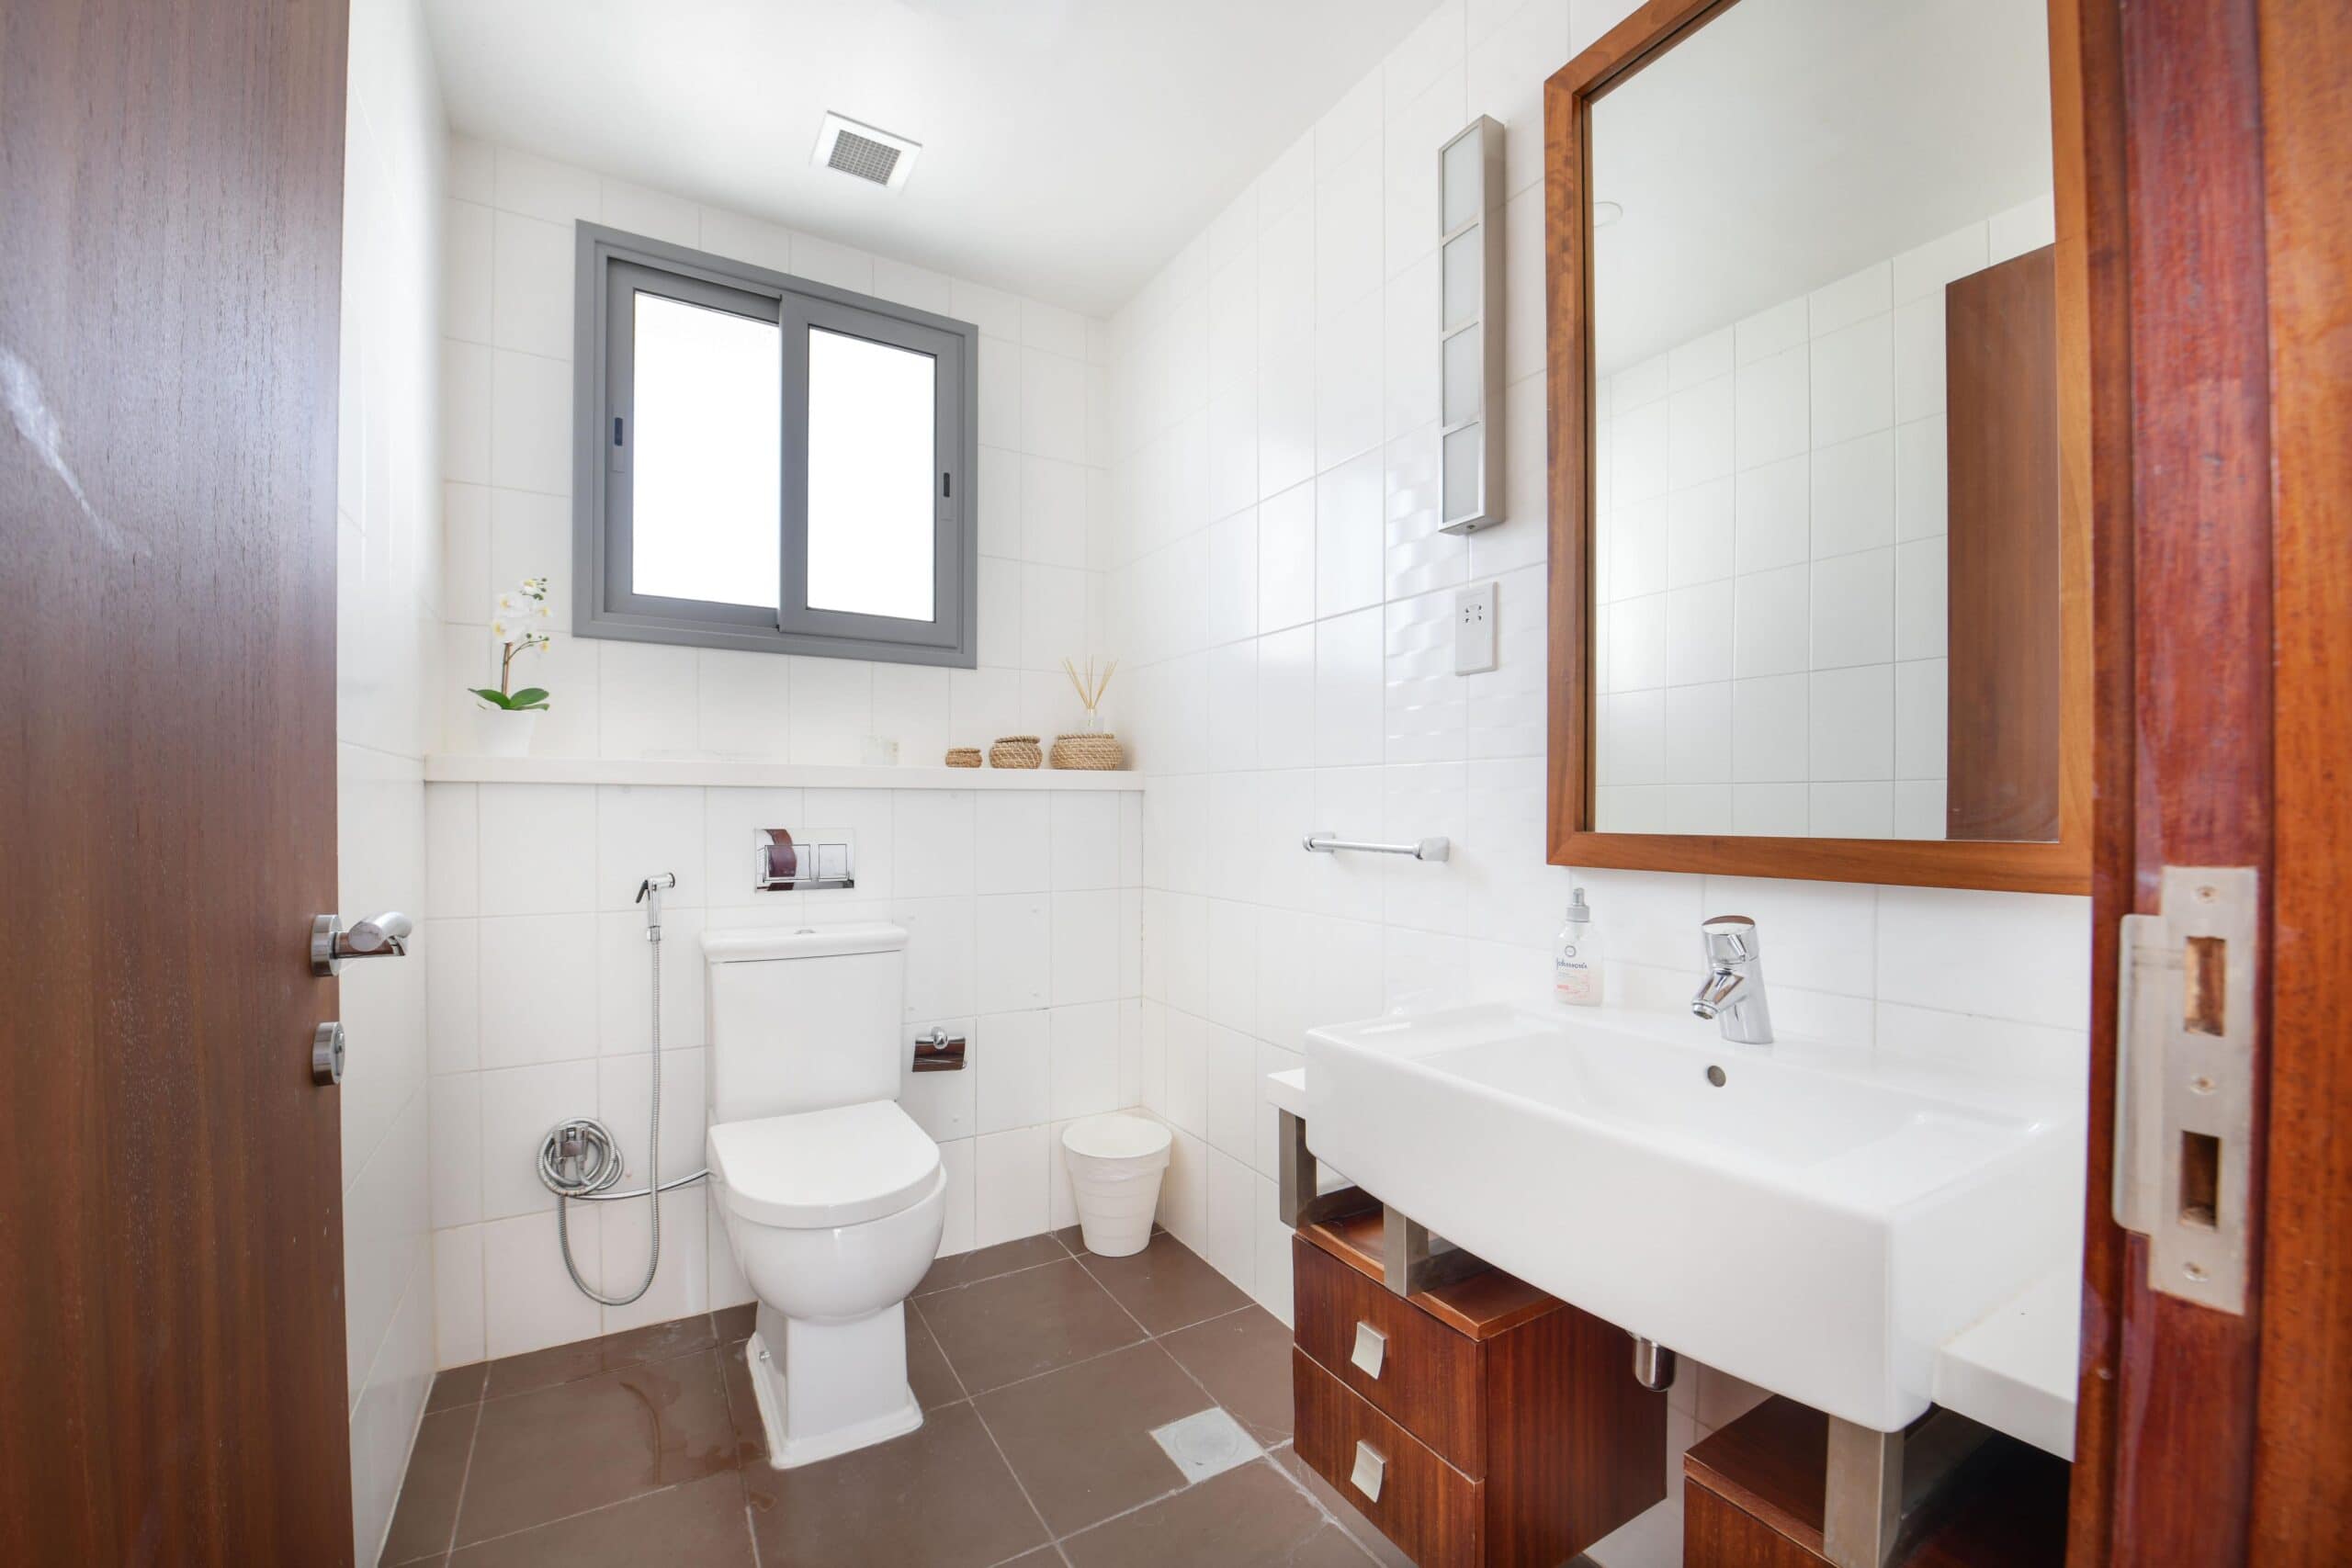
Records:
x=865, y=151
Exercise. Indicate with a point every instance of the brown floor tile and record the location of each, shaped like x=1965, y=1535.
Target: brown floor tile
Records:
x=1242, y=1358
x=586, y=1358
x=1005, y=1258
x=458, y=1385
x=742, y=1410
x=1074, y=1238
x=734, y=1323
x=1081, y=1439
x=1249, y=1517
x=940, y=1496
x=928, y=1374
x=436, y=1475
x=1020, y=1324
x=1166, y=1285
x=581, y=1445
x=699, y=1525
x=1366, y=1534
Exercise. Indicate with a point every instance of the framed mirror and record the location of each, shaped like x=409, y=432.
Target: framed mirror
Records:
x=1819, y=446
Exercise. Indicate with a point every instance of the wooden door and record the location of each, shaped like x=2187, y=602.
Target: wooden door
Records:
x=172, y=1384
x=2220, y=138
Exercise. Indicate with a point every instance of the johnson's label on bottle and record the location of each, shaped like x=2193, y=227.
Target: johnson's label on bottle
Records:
x=1575, y=980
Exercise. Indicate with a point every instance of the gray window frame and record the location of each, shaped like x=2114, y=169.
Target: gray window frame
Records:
x=611, y=268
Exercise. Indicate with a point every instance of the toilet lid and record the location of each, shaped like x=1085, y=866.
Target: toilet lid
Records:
x=822, y=1168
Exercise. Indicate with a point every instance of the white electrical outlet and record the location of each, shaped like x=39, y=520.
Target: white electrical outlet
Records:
x=1474, y=628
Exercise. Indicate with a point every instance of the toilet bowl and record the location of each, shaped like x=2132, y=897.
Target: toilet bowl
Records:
x=832, y=1215
x=831, y=1198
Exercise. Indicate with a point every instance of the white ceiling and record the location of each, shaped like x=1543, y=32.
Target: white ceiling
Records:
x=1070, y=147
x=1789, y=143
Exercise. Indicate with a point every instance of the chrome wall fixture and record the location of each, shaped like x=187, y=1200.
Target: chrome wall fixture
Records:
x=1470, y=341
x=1324, y=841
x=779, y=865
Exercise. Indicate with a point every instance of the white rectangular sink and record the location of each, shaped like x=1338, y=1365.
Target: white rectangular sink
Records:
x=1817, y=1222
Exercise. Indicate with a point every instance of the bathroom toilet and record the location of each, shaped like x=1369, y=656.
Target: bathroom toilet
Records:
x=832, y=1198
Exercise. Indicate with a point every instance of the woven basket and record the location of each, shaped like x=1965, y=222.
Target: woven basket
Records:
x=963, y=756
x=1015, y=752
x=1096, y=752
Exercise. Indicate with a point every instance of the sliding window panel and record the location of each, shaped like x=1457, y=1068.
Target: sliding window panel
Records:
x=695, y=449
x=874, y=549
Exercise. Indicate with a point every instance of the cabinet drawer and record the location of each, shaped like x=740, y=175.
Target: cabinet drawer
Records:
x=1428, y=1508
x=1428, y=1376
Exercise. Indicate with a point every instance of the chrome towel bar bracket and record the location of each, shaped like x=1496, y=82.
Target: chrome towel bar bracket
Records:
x=1326, y=843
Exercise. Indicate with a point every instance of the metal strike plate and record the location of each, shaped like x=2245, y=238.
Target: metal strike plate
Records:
x=2184, y=1082
x=1370, y=1351
x=1371, y=1469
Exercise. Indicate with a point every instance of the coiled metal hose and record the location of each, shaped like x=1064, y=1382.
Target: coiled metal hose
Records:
x=580, y=1159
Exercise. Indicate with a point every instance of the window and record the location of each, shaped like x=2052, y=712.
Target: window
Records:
x=764, y=462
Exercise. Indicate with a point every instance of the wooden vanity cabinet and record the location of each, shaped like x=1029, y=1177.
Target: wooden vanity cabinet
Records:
x=1752, y=1496
x=1478, y=1422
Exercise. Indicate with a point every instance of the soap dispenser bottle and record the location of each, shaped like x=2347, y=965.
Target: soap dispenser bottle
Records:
x=1576, y=958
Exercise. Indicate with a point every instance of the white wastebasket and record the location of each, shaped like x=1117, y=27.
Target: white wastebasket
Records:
x=1116, y=1162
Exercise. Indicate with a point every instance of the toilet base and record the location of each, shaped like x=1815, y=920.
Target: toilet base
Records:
x=825, y=1389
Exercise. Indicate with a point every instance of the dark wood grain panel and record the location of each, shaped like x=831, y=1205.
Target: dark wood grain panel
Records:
x=2197, y=646
x=1771, y=1464
x=1480, y=1304
x=1428, y=1508
x=171, y=195
x=1754, y=1490
x=2093, y=279
x=2003, y=749
x=2303, y=1478
x=1718, y=1533
x=1575, y=1447
x=1431, y=1378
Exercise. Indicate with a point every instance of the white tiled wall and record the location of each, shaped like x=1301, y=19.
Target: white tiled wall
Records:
x=1279, y=585
x=1771, y=561
x=389, y=535
x=506, y=407
x=1025, y=910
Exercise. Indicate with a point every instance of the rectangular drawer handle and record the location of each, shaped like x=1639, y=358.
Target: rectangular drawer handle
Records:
x=1370, y=1466
x=1370, y=1351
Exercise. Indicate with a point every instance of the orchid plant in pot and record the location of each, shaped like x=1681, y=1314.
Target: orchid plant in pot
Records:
x=518, y=623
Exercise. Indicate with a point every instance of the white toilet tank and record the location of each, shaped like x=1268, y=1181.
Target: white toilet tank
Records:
x=803, y=1018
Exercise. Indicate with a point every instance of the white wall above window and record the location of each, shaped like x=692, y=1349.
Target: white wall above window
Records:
x=1070, y=147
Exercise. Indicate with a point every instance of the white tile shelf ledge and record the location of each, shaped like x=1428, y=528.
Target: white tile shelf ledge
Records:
x=456, y=767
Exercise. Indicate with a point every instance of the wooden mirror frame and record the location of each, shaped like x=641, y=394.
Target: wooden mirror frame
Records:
x=2060, y=867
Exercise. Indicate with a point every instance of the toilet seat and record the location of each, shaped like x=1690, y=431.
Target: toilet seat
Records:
x=819, y=1169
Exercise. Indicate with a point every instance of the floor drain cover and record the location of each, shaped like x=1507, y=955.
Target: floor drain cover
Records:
x=1207, y=1444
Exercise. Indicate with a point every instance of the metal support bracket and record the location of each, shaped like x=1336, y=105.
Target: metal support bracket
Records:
x=1877, y=1479
x=2184, y=1080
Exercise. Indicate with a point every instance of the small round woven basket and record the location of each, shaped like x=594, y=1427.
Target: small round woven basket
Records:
x=1098, y=753
x=1015, y=752
x=963, y=756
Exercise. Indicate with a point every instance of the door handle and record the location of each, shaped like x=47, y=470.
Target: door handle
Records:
x=326, y=1055
x=378, y=936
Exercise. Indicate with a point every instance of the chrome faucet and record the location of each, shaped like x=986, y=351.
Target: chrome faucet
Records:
x=1733, y=992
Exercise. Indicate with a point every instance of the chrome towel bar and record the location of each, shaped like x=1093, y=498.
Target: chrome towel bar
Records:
x=1324, y=843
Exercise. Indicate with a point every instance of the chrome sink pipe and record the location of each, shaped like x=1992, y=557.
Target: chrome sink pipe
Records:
x=1733, y=992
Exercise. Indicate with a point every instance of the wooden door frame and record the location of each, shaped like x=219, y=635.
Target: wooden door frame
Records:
x=2215, y=138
